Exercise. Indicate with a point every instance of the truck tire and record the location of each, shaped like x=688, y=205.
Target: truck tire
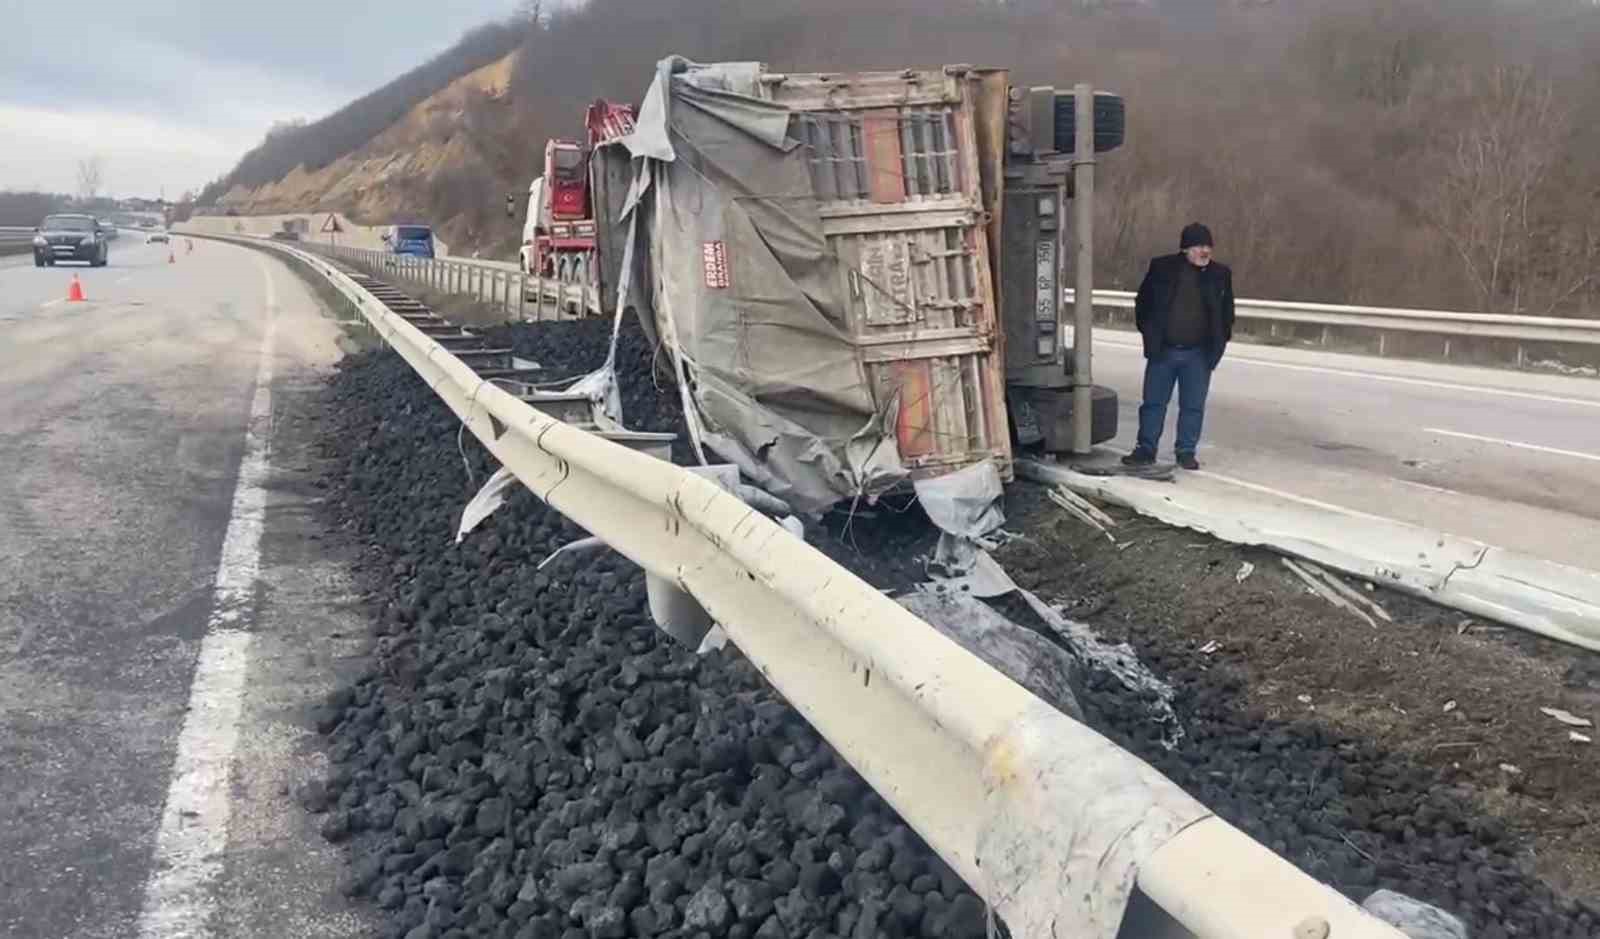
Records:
x=1043, y=416
x=1103, y=415
x=1110, y=121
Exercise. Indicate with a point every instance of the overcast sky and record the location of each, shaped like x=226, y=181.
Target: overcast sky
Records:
x=172, y=92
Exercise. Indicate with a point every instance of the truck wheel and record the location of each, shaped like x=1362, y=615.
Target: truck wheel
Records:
x=1103, y=414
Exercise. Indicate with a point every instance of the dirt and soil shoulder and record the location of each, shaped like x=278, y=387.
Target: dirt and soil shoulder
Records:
x=1456, y=700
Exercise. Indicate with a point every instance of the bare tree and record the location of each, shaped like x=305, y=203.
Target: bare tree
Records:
x=1493, y=175
x=90, y=172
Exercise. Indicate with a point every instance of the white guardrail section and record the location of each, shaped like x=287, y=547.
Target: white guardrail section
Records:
x=500, y=283
x=1046, y=819
x=1546, y=329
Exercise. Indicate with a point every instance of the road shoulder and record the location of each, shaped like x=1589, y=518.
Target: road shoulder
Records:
x=280, y=877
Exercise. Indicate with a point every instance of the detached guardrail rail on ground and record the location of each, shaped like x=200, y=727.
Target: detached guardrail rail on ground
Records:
x=501, y=283
x=1047, y=820
x=1584, y=333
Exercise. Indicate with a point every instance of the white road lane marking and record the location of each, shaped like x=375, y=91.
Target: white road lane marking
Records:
x=1575, y=454
x=52, y=302
x=178, y=900
x=1393, y=379
x=1430, y=488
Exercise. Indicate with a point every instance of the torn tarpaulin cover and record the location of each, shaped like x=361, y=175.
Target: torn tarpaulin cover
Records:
x=965, y=505
x=748, y=298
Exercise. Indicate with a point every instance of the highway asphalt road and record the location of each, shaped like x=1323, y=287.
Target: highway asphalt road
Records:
x=1508, y=458
x=141, y=794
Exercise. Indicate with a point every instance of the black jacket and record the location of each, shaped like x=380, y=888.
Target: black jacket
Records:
x=1154, y=304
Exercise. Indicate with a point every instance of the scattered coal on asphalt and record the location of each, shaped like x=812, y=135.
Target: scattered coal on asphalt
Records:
x=528, y=756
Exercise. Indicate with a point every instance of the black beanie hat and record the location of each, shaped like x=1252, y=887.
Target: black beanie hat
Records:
x=1194, y=234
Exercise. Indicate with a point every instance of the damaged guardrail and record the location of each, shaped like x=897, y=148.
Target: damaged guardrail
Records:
x=1554, y=600
x=1048, y=821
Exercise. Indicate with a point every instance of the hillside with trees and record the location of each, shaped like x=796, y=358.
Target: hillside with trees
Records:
x=1439, y=153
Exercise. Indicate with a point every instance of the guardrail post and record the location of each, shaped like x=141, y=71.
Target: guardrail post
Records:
x=1520, y=355
x=1447, y=347
x=1382, y=341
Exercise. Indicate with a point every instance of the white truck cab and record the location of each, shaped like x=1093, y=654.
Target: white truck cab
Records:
x=538, y=222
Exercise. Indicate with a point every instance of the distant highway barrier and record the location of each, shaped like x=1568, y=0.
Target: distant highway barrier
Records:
x=500, y=283
x=15, y=240
x=1581, y=337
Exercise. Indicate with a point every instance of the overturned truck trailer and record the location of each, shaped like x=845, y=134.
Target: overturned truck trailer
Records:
x=817, y=255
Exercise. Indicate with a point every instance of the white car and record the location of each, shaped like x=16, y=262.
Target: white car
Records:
x=157, y=237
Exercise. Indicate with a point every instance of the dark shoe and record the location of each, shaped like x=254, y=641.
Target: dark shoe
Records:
x=1139, y=458
x=1188, y=462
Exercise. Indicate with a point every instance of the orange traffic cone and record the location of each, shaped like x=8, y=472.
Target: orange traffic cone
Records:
x=75, y=291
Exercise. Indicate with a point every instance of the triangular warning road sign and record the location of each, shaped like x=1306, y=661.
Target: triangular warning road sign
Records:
x=332, y=224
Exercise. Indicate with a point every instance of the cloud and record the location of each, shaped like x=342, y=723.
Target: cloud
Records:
x=172, y=92
x=142, y=156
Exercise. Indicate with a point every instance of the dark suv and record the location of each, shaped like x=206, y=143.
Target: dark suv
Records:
x=70, y=238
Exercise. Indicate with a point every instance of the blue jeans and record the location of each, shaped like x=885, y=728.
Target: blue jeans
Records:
x=1190, y=370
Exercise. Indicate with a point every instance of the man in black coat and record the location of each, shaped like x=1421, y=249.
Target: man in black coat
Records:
x=1185, y=314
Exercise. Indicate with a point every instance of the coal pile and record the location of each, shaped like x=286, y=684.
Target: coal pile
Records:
x=572, y=348
x=528, y=756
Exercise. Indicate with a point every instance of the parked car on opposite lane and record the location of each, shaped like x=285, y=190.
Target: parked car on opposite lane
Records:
x=70, y=237
x=110, y=228
x=157, y=237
